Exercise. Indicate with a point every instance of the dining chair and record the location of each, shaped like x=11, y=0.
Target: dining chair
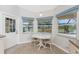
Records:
x=35, y=41
x=48, y=44
x=41, y=44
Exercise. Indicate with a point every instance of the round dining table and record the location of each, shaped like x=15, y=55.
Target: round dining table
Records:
x=41, y=37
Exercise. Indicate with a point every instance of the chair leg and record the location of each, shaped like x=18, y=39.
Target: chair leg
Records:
x=39, y=47
x=54, y=49
x=50, y=47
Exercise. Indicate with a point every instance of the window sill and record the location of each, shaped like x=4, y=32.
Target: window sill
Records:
x=10, y=32
x=27, y=32
x=71, y=36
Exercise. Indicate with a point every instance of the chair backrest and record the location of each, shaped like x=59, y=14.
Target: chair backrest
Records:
x=34, y=38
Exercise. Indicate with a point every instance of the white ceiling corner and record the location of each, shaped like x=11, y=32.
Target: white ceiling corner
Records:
x=38, y=8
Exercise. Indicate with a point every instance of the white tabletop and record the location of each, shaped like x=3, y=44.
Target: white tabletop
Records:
x=42, y=35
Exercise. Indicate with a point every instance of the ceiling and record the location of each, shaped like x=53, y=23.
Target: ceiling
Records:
x=38, y=8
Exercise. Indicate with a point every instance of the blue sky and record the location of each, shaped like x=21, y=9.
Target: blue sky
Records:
x=64, y=21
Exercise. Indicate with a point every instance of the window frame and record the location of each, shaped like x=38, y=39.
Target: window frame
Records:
x=73, y=24
x=28, y=25
x=11, y=25
x=43, y=26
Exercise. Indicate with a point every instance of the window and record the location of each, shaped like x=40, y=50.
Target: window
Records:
x=9, y=25
x=27, y=24
x=45, y=24
x=67, y=21
x=67, y=26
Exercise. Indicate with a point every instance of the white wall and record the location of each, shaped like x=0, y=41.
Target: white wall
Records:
x=25, y=38
x=63, y=40
x=1, y=46
x=11, y=38
x=77, y=25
